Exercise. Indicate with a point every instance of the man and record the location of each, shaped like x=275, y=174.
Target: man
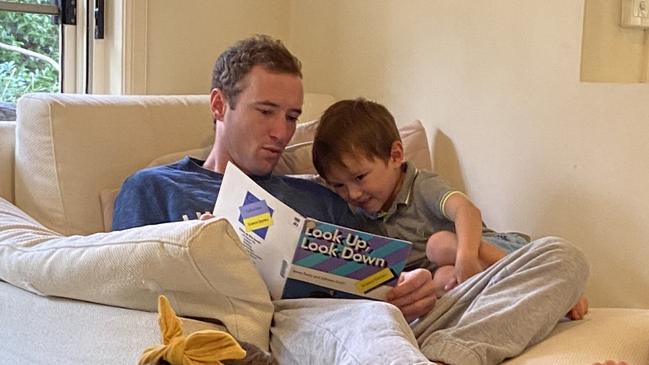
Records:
x=256, y=99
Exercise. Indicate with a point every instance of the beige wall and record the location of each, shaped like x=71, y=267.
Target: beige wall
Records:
x=497, y=84
x=611, y=53
x=185, y=37
x=169, y=46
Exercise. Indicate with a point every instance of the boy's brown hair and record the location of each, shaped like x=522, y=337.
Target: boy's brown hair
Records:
x=353, y=127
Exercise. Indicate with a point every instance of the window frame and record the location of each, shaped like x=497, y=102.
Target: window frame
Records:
x=71, y=41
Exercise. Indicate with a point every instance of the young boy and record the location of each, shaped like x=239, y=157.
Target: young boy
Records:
x=357, y=150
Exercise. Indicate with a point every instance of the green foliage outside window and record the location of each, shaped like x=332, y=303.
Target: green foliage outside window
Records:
x=19, y=73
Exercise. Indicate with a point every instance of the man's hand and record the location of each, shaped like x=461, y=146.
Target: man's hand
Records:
x=414, y=294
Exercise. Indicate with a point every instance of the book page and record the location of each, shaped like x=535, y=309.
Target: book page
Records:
x=267, y=228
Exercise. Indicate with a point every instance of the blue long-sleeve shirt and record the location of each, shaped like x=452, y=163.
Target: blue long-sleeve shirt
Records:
x=185, y=189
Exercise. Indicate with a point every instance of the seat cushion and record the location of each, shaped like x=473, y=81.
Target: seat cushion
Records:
x=606, y=333
x=65, y=331
x=199, y=265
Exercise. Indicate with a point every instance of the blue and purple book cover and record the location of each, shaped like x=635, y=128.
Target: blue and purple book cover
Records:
x=332, y=261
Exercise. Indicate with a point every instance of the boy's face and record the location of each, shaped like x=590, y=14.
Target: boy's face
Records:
x=369, y=184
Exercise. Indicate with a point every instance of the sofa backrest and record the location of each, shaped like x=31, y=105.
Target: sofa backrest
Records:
x=7, y=143
x=71, y=148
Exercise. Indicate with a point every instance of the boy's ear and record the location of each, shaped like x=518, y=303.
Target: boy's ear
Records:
x=396, y=153
x=217, y=104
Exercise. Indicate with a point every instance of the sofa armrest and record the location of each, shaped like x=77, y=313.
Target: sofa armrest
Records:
x=199, y=265
x=7, y=144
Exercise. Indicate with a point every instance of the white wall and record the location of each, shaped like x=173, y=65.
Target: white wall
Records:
x=497, y=84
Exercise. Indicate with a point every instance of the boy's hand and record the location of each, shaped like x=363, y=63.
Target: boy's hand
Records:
x=414, y=294
x=466, y=268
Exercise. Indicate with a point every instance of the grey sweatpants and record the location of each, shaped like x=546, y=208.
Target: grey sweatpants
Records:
x=490, y=317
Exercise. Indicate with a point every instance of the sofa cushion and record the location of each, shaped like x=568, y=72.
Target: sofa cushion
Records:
x=67, y=331
x=296, y=159
x=70, y=147
x=415, y=145
x=199, y=265
x=605, y=333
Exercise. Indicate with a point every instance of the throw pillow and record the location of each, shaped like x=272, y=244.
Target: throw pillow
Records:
x=199, y=265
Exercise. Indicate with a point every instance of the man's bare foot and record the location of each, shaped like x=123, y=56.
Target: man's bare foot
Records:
x=579, y=310
x=611, y=362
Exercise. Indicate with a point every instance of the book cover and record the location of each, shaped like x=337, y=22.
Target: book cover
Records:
x=299, y=256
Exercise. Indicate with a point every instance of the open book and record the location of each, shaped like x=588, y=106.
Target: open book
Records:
x=301, y=257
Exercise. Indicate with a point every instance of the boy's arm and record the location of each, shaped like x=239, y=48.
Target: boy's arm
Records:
x=468, y=228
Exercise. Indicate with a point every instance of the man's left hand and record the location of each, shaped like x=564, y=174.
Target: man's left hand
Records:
x=414, y=294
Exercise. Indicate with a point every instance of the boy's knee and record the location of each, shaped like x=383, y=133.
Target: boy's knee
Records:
x=441, y=247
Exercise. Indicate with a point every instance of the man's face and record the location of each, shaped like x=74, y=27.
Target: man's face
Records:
x=261, y=123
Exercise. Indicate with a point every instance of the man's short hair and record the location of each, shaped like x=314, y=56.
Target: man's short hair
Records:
x=357, y=127
x=237, y=61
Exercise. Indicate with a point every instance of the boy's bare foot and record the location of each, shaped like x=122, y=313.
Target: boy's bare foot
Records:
x=611, y=362
x=444, y=279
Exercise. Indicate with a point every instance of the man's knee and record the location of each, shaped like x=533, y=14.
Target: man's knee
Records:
x=571, y=259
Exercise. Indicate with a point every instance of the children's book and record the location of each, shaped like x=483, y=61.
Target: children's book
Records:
x=301, y=257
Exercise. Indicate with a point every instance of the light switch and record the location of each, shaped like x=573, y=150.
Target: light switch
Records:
x=640, y=8
x=635, y=13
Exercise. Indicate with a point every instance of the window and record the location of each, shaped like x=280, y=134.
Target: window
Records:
x=31, y=39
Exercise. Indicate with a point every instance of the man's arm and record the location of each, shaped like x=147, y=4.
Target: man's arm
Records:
x=136, y=205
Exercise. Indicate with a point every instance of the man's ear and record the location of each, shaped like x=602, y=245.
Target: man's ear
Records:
x=217, y=104
x=396, y=153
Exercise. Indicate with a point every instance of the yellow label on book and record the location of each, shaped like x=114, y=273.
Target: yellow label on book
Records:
x=259, y=221
x=374, y=280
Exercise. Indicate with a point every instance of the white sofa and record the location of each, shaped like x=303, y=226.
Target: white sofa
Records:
x=72, y=293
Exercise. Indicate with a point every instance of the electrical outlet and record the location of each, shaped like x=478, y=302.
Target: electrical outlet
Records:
x=635, y=13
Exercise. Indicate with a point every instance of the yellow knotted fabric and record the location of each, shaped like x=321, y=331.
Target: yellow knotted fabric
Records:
x=201, y=347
